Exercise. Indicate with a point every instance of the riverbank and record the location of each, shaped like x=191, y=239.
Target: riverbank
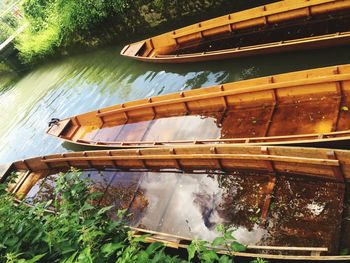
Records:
x=65, y=27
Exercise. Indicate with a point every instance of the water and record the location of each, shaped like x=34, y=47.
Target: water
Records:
x=85, y=82
x=76, y=84
x=191, y=204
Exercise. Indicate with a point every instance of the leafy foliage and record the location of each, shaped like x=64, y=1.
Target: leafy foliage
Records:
x=206, y=251
x=78, y=231
x=71, y=228
x=58, y=23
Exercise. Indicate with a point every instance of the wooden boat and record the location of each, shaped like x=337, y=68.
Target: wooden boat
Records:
x=303, y=107
x=185, y=191
x=277, y=27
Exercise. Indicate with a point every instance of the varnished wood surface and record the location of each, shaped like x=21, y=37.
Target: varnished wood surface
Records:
x=161, y=48
x=318, y=163
x=331, y=165
x=309, y=106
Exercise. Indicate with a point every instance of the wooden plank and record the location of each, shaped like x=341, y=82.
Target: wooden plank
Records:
x=58, y=128
x=237, y=17
x=337, y=114
x=214, y=150
x=183, y=242
x=237, y=140
x=140, y=231
x=274, y=106
x=269, y=189
x=338, y=174
x=287, y=159
x=20, y=181
x=133, y=49
x=281, y=248
x=172, y=151
x=286, y=84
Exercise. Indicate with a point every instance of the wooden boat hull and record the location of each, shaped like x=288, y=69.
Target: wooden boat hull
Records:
x=179, y=46
x=312, y=43
x=258, y=165
x=306, y=107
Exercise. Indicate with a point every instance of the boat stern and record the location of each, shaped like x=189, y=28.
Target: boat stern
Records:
x=134, y=49
x=58, y=127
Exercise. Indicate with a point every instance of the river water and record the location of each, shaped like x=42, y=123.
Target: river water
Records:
x=80, y=83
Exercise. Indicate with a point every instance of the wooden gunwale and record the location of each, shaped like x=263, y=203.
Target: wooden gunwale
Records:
x=244, y=50
x=202, y=156
x=235, y=17
x=226, y=157
x=263, y=87
x=249, y=139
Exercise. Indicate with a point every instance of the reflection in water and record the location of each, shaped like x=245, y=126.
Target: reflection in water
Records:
x=262, y=119
x=90, y=81
x=207, y=204
x=191, y=205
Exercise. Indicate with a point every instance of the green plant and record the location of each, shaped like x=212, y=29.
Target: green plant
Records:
x=70, y=228
x=259, y=260
x=77, y=231
x=344, y=251
x=207, y=252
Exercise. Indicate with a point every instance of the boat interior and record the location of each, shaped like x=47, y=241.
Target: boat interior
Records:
x=298, y=107
x=277, y=22
x=187, y=197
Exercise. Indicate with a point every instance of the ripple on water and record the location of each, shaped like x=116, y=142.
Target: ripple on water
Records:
x=81, y=83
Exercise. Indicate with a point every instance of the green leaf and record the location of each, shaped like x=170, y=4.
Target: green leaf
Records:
x=218, y=241
x=225, y=259
x=220, y=228
x=141, y=238
x=143, y=257
x=35, y=258
x=86, y=207
x=238, y=247
x=259, y=260
x=105, y=209
x=11, y=241
x=121, y=213
x=85, y=256
x=344, y=251
x=191, y=250
x=229, y=235
x=209, y=256
x=71, y=259
x=152, y=248
x=110, y=248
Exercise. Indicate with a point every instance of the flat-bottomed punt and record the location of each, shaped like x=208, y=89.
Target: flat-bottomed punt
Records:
x=277, y=27
x=295, y=108
x=287, y=203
